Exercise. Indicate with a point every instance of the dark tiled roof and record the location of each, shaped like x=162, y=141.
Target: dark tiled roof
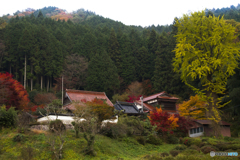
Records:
x=161, y=95
x=127, y=107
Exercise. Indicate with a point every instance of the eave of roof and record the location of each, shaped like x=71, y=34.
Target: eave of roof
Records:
x=154, y=96
x=210, y=122
x=159, y=96
x=147, y=106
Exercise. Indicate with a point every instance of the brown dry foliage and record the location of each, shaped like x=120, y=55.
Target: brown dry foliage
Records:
x=135, y=89
x=44, y=99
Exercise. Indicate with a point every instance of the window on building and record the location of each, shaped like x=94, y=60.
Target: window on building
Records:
x=196, y=130
x=191, y=131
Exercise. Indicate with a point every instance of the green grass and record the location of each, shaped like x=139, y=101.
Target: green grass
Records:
x=106, y=148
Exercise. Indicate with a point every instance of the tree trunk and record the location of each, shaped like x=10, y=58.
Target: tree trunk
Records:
x=10, y=69
x=50, y=82
x=31, y=78
x=213, y=111
x=25, y=71
x=41, y=82
x=47, y=83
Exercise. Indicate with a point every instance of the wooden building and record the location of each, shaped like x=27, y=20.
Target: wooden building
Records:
x=203, y=127
x=163, y=99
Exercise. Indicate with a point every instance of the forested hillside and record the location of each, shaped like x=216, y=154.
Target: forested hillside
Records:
x=229, y=13
x=93, y=53
x=98, y=54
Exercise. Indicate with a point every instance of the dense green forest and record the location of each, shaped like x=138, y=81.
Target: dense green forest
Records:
x=98, y=54
x=95, y=53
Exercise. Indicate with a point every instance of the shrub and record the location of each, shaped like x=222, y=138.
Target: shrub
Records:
x=24, y=120
x=205, y=139
x=152, y=139
x=141, y=140
x=207, y=149
x=173, y=140
x=44, y=99
x=19, y=138
x=32, y=94
x=223, y=146
x=135, y=126
x=27, y=153
x=57, y=125
x=164, y=154
x=114, y=130
x=187, y=141
x=174, y=153
x=228, y=138
x=187, y=157
x=195, y=141
x=8, y=118
x=202, y=144
x=180, y=147
x=212, y=142
x=181, y=140
x=153, y=157
x=234, y=146
x=194, y=147
x=190, y=151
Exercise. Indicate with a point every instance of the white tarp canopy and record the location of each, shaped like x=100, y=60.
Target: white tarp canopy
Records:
x=69, y=119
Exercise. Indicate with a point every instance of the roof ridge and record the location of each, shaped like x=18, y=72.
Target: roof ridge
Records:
x=155, y=94
x=83, y=91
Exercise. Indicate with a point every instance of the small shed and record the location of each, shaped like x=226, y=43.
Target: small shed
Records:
x=204, y=127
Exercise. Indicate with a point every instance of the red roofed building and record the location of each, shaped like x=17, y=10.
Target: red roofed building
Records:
x=163, y=99
x=168, y=104
x=82, y=96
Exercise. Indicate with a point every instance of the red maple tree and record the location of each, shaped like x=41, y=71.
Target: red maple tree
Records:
x=12, y=92
x=164, y=121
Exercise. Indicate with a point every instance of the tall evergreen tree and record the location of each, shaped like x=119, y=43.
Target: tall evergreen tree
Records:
x=113, y=48
x=127, y=69
x=26, y=47
x=102, y=74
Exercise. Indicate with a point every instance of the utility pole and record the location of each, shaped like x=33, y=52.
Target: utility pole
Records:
x=141, y=98
x=62, y=92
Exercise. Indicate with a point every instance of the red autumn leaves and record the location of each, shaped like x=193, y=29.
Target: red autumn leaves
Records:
x=12, y=92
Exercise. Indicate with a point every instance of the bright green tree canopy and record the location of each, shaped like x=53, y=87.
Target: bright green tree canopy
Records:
x=206, y=50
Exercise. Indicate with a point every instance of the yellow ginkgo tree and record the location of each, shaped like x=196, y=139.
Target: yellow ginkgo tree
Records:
x=206, y=49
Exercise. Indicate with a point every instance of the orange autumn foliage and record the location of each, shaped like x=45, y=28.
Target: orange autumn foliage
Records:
x=163, y=120
x=194, y=108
